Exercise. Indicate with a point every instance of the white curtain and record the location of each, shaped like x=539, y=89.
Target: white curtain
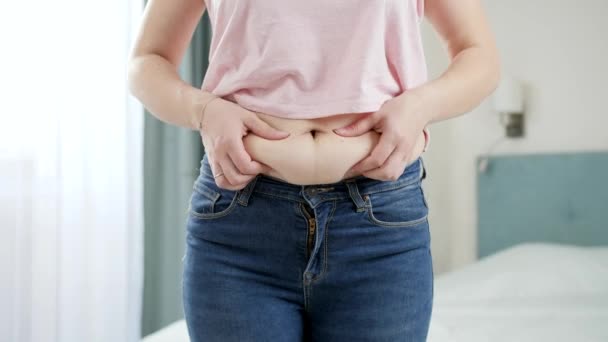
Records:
x=71, y=201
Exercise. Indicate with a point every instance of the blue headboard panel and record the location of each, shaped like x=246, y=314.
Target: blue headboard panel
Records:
x=560, y=198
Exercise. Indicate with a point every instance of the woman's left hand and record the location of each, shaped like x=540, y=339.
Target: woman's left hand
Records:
x=399, y=121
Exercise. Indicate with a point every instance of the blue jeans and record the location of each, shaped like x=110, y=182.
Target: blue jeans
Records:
x=348, y=261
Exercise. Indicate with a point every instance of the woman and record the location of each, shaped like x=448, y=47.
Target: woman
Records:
x=308, y=220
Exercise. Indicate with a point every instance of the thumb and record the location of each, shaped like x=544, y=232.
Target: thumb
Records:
x=264, y=130
x=356, y=128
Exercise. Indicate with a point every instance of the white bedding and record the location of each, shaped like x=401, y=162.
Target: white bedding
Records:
x=530, y=292
x=174, y=332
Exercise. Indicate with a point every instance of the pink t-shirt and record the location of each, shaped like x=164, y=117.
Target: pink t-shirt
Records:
x=308, y=59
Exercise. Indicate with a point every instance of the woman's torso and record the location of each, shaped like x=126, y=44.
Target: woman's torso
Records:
x=303, y=62
x=313, y=153
x=307, y=59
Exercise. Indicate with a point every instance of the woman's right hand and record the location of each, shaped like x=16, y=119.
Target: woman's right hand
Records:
x=223, y=126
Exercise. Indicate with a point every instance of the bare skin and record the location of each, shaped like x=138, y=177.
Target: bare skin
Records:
x=241, y=143
x=313, y=153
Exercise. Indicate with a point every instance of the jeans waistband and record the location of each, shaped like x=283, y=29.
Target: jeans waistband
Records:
x=355, y=187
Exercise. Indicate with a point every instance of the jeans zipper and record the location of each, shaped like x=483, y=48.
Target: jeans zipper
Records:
x=311, y=234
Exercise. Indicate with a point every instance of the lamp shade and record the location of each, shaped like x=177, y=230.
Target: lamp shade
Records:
x=508, y=96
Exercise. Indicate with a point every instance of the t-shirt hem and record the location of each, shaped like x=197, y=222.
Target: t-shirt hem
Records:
x=314, y=111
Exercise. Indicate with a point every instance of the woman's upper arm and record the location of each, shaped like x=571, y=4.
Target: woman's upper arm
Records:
x=167, y=27
x=461, y=24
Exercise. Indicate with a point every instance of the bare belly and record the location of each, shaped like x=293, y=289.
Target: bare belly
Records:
x=313, y=153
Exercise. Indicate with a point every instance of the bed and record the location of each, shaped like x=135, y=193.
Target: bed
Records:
x=528, y=292
x=542, y=272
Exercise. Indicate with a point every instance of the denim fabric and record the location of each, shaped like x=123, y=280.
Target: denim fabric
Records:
x=347, y=261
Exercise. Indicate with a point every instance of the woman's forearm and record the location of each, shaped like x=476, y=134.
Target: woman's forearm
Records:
x=155, y=82
x=472, y=75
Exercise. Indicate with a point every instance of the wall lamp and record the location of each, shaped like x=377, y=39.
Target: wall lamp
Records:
x=509, y=104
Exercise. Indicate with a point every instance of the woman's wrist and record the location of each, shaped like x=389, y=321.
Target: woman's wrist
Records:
x=424, y=101
x=200, y=103
x=419, y=106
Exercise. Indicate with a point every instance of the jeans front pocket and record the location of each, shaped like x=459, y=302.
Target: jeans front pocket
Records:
x=208, y=201
x=401, y=207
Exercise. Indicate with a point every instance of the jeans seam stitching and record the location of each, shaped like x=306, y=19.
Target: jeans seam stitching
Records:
x=304, y=216
x=322, y=274
x=400, y=224
x=206, y=191
x=222, y=213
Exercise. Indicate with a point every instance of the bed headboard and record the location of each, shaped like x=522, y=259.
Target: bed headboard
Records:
x=560, y=198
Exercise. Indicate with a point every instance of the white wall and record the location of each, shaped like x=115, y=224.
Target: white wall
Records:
x=559, y=49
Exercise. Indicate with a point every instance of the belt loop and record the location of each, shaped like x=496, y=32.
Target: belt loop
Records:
x=353, y=191
x=245, y=192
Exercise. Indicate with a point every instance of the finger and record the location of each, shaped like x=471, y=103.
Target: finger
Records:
x=393, y=167
x=264, y=130
x=215, y=165
x=243, y=161
x=358, y=127
x=221, y=181
x=378, y=156
x=231, y=173
x=224, y=184
x=224, y=181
